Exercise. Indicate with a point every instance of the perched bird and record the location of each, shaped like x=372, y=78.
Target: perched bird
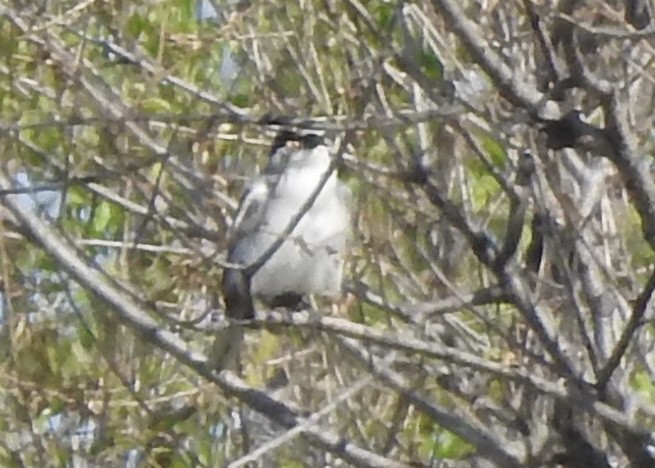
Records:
x=288, y=236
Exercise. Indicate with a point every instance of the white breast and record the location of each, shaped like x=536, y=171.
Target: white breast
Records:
x=309, y=261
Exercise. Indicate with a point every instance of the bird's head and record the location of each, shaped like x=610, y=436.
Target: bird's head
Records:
x=296, y=150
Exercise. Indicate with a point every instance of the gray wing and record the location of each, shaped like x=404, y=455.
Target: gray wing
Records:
x=252, y=209
x=235, y=284
x=248, y=218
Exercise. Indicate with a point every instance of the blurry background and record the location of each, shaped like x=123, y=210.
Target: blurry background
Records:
x=500, y=273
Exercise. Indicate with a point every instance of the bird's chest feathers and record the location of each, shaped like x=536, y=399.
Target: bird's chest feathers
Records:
x=297, y=186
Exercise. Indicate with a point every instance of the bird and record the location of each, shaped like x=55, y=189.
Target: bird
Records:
x=288, y=237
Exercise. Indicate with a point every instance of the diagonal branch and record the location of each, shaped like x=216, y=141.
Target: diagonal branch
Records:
x=342, y=328
x=605, y=374
x=516, y=91
x=635, y=174
x=488, y=444
x=137, y=319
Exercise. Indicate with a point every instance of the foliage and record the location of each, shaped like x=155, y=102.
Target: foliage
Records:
x=495, y=312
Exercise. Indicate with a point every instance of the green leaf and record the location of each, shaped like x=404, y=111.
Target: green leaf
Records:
x=75, y=196
x=451, y=446
x=383, y=13
x=87, y=340
x=431, y=65
x=495, y=151
x=643, y=383
x=102, y=217
x=155, y=104
x=484, y=188
x=241, y=100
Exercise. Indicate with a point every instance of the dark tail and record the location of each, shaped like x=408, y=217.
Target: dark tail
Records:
x=238, y=306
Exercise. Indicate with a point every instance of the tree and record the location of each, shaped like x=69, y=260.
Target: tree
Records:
x=500, y=277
